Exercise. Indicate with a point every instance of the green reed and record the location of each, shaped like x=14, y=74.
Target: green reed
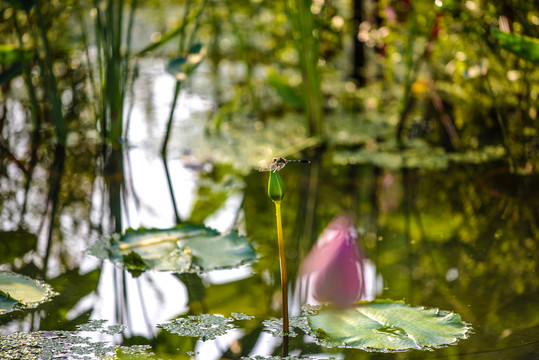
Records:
x=113, y=34
x=306, y=43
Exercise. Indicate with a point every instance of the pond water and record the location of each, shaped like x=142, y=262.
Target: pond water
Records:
x=449, y=230
x=461, y=239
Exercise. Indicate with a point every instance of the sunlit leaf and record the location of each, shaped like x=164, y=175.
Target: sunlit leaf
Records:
x=186, y=248
x=386, y=325
x=523, y=46
x=25, y=291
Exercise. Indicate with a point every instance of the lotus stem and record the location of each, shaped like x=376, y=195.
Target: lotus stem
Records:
x=276, y=194
x=284, y=282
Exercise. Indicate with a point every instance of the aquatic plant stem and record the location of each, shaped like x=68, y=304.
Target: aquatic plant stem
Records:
x=284, y=281
x=276, y=194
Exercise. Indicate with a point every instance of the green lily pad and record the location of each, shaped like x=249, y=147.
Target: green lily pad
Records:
x=205, y=326
x=53, y=345
x=7, y=303
x=386, y=326
x=183, y=249
x=20, y=292
x=419, y=155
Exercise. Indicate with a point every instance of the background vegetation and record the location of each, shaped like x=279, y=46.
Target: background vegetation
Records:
x=419, y=117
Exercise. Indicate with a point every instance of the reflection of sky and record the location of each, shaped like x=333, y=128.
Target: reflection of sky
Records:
x=159, y=294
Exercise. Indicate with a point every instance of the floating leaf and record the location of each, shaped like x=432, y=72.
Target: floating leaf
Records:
x=275, y=326
x=386, y=325
x=205, y=326
x=19, y=292
x=418, y=155
x=98, y=326
x=52, y=345
x=523, y=46
x=7, y=303
x=186, y=248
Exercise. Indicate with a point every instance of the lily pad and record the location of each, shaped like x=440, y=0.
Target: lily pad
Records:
x=184, y=249
x=205, y=326
x=7, y=303
x=20, y=292
x=53, y=345
x=419, y=155
x=386, y=326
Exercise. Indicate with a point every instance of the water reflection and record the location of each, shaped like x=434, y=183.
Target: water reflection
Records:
x=444, y=239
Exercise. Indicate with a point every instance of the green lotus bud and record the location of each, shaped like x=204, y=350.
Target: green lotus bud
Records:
x=275, y=187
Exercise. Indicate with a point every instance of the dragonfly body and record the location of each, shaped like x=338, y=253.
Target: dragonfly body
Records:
x=279, y=163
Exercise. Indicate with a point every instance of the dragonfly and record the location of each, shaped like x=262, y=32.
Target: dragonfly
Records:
x=279, y=163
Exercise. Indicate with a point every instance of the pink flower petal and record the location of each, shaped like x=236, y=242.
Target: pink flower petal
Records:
x=333, y=269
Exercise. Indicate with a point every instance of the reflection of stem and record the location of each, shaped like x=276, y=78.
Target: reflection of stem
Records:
x=56, y=105
x=170, y=119
x=407, y=226
x=284, y=289
x=310, y=211
x=177, y=218
x=144, y=310
x=56, y=175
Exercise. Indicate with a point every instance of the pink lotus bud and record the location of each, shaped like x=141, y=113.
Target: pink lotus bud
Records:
x=333, y=271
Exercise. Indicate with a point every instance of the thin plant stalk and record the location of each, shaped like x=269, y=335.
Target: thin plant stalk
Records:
x=276, y=194
x=177, y=218
x=284, y=281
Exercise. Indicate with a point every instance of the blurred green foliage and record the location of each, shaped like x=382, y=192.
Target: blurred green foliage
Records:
x=414, y=143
